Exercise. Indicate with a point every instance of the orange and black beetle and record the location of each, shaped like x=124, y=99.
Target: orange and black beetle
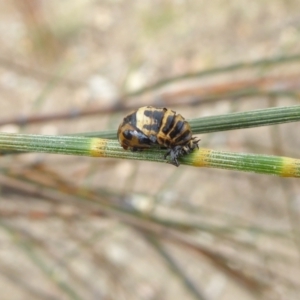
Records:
x=150, y=125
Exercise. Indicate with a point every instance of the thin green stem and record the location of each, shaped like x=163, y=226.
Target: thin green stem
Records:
x=73, y=145
x=255, y=118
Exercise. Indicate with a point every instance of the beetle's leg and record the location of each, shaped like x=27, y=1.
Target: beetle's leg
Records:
x=175, y=153
x=185, y=150
x=175, y=162
x=195, y=143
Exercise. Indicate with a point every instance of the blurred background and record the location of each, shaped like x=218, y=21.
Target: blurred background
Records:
x=86, y=228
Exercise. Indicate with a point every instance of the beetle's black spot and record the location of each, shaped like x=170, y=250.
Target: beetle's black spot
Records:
x=144, y=141
x=169, y=124
x=147, y=126
x=127, y=134
x=142, y=138
x=183, y=138
x=176, y=129
x=156, y=117
x=132, y=119
x=148, y=113
x=151, y=127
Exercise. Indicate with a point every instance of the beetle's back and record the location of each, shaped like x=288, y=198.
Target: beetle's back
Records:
x=149, y=126
x=161, y=125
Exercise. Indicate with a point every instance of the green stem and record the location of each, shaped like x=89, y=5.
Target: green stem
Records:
x=255, y=118
x=266, y=164
x=247, y=162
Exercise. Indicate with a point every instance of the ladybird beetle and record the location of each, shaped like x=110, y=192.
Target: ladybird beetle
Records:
x=148, y=126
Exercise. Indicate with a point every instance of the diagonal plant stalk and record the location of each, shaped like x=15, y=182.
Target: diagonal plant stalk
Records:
x=39, y=261
x=131, y=215
x=163, y=232
x=98, y=147
x=262, y=63
x=251, y=89
x=175, y=267
x=232, y=121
